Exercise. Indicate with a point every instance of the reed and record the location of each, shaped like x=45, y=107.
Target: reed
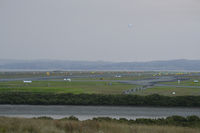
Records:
x=30, y=125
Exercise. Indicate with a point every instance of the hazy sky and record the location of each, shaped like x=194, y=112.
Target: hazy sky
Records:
x=99, y=29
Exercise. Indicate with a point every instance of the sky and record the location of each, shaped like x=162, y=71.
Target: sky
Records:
x=106, y=30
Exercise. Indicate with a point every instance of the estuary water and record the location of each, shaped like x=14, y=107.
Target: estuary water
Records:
x=89, y=112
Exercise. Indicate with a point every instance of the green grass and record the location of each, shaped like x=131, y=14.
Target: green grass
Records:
x=183, y=83
x=75, y=87
x=90, y=86
x=167, y=91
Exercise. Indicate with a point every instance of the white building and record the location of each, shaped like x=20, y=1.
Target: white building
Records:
x=27, y=81
x=68, y=79
x=118, y=76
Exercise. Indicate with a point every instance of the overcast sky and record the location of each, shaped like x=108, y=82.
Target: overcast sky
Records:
x=108, y=30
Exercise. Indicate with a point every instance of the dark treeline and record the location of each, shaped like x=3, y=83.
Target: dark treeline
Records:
x=97, y=99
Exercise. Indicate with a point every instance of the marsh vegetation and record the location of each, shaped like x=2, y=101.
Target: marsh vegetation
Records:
x=48, y=125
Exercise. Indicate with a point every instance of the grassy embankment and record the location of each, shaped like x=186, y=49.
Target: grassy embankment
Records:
x=183, y=83
x=88, y=85
x=167, y=91
x=92, y=87
x=180, y=91
x=75, y=87
x=22, y=125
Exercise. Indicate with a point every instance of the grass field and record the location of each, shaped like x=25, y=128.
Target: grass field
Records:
x=167, y=91
x=95, y=82
x=22, y=125
x=76, y=87
x=184, y=83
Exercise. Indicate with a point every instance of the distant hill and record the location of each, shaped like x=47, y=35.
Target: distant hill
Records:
x=170, y=65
